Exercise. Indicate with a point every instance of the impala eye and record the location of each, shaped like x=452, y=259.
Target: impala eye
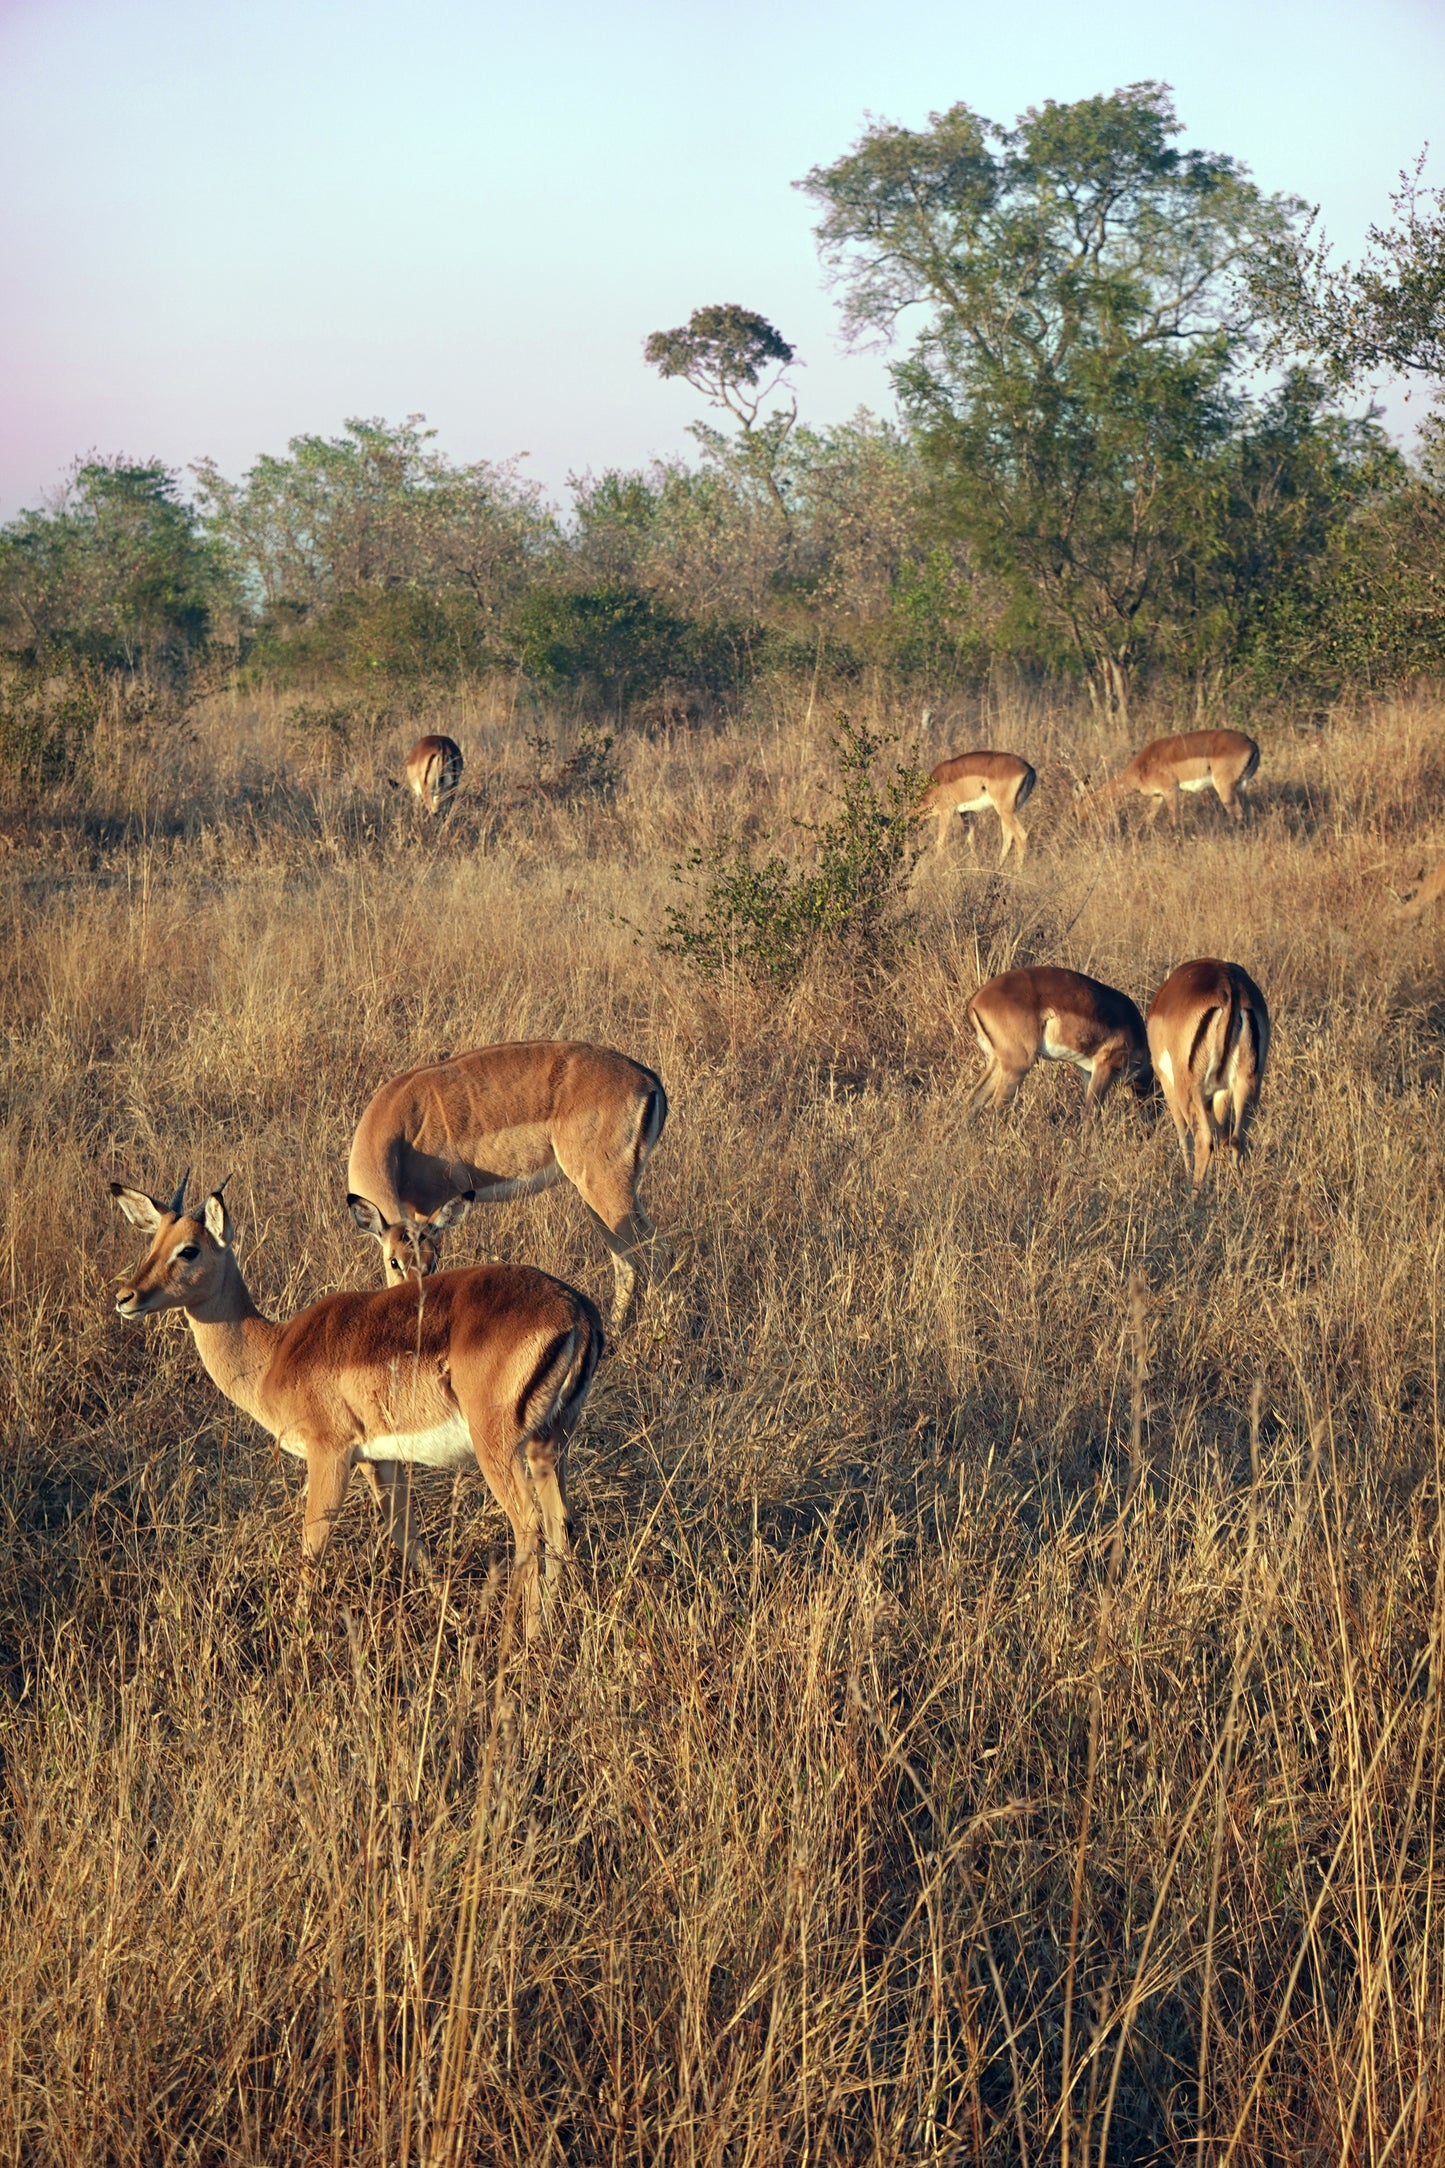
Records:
x=188, y=1250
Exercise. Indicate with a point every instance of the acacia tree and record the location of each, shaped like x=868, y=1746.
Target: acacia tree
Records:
x=738, y=361
x=1079, y=279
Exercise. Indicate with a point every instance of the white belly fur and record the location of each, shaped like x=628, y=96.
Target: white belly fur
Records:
x=448, y=1446
x=1203, y=782
x=973, y=805
x=1053, y=1051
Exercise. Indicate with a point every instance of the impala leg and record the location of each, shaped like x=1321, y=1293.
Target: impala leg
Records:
x=988, y=1088
x=547, y=1468
x=327, y=1477
x=1103, y=1074
x=391, y=1484
x=1203, y=1143
x=627, y=1232
x=1015, y=833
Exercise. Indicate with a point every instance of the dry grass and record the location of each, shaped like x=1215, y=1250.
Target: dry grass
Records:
x=996, y=1715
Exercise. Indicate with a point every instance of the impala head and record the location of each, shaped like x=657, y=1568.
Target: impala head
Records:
x=187, y=1263
x=410, y=1244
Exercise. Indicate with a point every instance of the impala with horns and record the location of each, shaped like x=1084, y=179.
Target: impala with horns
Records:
x=1048, y=1014
x=1428, y=889
x=971, y=782
x=492, y=1364
x=1208, y=1029
x=504, y=1121
x=433, y=771
x=1225, y=759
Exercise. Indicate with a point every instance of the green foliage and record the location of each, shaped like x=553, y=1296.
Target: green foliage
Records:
x=370, y=634
x=369, y=554
x=115, y=578
x=767, y=918
x=1386, y=313
x=1071, y=383
x=616, y=646
x=725, y=352
x=45, y=728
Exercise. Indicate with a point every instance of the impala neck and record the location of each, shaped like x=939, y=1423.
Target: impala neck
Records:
x=234, y=1341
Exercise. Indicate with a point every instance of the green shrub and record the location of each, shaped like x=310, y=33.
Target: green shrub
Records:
x=46, y=727
x=371, y=634
x=588, y=771
x=766, y=918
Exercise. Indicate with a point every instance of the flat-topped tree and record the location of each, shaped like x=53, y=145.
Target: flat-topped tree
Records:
x=738, y=361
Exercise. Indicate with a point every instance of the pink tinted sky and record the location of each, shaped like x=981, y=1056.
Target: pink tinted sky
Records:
x=225, y=225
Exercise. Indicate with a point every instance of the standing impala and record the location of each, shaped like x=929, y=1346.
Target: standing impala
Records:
x=1047, y=1014
x=503, y=1121
x=971, y=781
x=1225, y=758
x=1209, y=1038
x=494, y=1363
x=433, y=771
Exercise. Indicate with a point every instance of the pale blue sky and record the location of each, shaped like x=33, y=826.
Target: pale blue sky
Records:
x=226, y=224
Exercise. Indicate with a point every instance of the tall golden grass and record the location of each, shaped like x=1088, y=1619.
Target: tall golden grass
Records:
x=996, y=1713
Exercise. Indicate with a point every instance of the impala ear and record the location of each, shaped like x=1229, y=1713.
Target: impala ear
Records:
x=218, y=1220
x=139, y=1209
x=450, y=1214
x=366, y=1216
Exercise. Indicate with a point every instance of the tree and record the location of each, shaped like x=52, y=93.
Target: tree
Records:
x=727, y=353
x=1386, y=313
x=375, y=508
x=1084, y=310
x=115, y=575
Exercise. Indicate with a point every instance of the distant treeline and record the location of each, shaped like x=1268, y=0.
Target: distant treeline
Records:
x=1089, y=475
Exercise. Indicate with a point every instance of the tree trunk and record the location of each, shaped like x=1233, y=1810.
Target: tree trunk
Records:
x=1109, y=688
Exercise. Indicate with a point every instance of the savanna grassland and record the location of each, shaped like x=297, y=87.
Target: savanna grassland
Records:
x=995, y=1713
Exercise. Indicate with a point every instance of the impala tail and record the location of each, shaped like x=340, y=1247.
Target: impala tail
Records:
x=553, y=1401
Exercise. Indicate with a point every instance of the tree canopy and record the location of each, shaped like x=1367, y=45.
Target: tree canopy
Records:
x=1080, y=283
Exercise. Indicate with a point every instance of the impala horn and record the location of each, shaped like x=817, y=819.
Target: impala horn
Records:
x=178, y=1202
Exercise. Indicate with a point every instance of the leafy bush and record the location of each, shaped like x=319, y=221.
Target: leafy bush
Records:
x=588, y=771
x=399, y=634
x=621, y=648
x=766, y=919
x=45, y=730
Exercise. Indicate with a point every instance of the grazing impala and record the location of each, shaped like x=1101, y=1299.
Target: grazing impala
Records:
x=494, y=1363
x=1427, y=890
x=503, y=1121
x=1208, y=1032
x=1225, y=758
x=1045, y=1014
x=433, y=771
x=971, y=781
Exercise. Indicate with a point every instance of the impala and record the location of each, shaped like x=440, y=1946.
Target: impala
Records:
x=493, y=1363
x=1046, y=1014
x=1428, y=889
x=433, y=771
x=1225, y=758
x=1208, y=1030
x=969, y=782
x=504, y=1121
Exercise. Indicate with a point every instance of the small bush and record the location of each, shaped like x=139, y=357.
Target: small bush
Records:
x=46, y=728
x=766, y=919
x=588, y=771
